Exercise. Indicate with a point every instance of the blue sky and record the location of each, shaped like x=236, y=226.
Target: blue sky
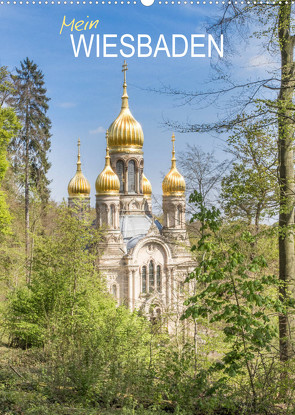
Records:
x=86, y=93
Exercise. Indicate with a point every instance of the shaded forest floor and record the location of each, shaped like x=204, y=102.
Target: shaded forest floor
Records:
x=22, y=392
x=27, y=389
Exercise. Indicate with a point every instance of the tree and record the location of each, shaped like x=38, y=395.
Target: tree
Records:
x=285, y=117
x=277, y=110
x=6, y=86
x=9, y=127
x=31, y=146
x=202, y=171
x=63, y=275
x=235, y=292
x=91, y=345
x=250, y=190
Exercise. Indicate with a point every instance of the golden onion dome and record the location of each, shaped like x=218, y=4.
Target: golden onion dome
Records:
x=107, y=181
x=125, y=133
x=173, y=183
x=79, y=186
x=146, y=186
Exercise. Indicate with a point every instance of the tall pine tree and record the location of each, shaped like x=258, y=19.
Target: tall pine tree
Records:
x=30, y=148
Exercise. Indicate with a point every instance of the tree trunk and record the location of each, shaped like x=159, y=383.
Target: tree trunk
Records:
x=27, y=202
x=286, y=170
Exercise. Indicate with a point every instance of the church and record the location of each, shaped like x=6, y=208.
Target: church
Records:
x=145, y=262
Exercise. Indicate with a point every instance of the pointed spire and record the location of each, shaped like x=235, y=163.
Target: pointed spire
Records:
x=173, y=152
x=107, y=150
x=79, y=185
x=173, y=183
x=107, y=181
x=79, y=158
x=125, y=95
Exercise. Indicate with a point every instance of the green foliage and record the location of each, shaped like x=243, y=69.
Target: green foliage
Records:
x=62, y=277
x=6, y=86
x=5, y=217
x=9, y=127
x=235, y=293
x=90, y=353
x=251, y=188
x=95, y=351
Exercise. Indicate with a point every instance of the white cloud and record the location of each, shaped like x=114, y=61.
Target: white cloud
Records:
x=66, y=105
x=261, y=60
x=98, y=130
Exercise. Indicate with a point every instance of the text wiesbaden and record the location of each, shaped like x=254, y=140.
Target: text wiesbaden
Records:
x=145, y=46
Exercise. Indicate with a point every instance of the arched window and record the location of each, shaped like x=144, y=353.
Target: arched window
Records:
x=159, y=282
x=131, y=176
x=114, y=290
x=151, y=277
x=120, y=173
x=112, y=216
x=143, y=279
x=167, y=220
x=104, y=214
x=178, y=215
x=156, y=316
x=146, y=207
x=140, y=181
x=181, y=287
x=172, y=217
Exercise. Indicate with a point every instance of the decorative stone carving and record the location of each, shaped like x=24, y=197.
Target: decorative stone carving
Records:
x=153, y=231
x=150, y=248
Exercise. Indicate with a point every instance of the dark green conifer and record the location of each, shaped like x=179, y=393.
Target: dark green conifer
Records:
x=30, y=148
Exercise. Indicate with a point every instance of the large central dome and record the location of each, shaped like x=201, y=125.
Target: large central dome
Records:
x=125, y=133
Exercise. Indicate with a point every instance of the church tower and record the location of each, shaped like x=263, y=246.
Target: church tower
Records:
x=174, y=201
x=125, y=143
x=79, y=188
x=107, y=187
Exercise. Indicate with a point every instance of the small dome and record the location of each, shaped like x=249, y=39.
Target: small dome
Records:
x=173, y=183
x=125, y=133
x=79, y=186
x=107, y=181
x=146, y=186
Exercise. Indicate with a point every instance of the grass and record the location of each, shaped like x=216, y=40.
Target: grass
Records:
x=23, y=390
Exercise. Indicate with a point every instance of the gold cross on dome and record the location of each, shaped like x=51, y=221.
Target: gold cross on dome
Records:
x=78, y=159
x=107, y=137
x=124, y=69
x=79, y=143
